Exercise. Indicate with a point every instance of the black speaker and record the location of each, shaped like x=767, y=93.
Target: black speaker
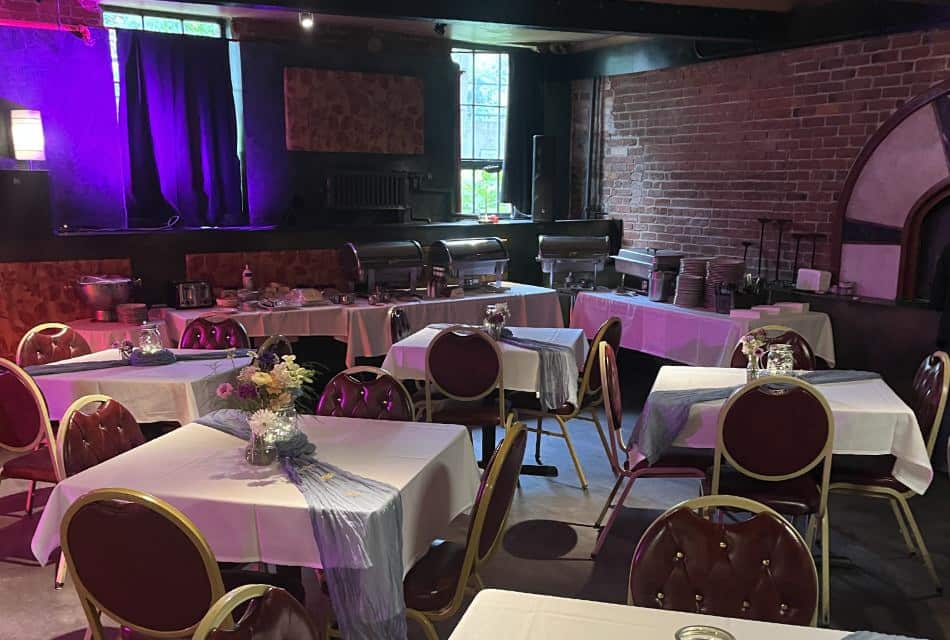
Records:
x=24, y=203
x=542, y=178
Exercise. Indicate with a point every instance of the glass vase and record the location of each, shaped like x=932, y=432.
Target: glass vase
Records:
x=259, y=451
x=285, y=427
x=752, y=368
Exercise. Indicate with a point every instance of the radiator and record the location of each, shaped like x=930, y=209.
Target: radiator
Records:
x=368, y=192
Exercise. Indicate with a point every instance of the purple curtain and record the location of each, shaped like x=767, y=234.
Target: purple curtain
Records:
x=177, y=117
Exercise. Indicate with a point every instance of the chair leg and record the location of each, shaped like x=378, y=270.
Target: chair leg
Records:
x=903, y=527
x=570, y=449
x=477, y=579
x=613, y=516
x=427, y=627
x=919, y=539
x=811, y=530
x=29, y=498
x=603, y=512
x=825, y=571
x=600, y=432
x=537, y=441
x=60, y=578
x=94, y=630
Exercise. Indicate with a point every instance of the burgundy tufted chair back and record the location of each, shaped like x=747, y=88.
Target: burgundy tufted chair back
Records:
x=609, y=333
x=274, y=615
x=24, y=421
x=495, y=493
x=50, y=342
x=381, y=397
x=86, y=439
x=930, y=395
x=463, y=363
x=776, y=428
x=399, y=328
x=140, y=560
x=214, y=333
x=802, y=354
x=757, y=569
x=613, y=402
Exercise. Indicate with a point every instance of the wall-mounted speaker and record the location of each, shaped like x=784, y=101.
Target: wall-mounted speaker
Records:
x=542, y=178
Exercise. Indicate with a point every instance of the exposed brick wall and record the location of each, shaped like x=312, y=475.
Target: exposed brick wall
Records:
x=693, y=155
x=65, y=12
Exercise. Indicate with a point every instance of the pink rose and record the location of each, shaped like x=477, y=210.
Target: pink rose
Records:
x=224, y=390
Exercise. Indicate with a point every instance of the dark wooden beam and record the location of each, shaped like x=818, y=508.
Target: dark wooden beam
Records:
x=614, y=16
x=845, y=19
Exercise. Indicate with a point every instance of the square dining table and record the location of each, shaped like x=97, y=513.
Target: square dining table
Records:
x=177, y=392
x=255, y=514
x=870, y=419
x=524, y=616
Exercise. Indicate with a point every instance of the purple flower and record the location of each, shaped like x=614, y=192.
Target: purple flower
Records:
x=267, y=361
x=247, y=391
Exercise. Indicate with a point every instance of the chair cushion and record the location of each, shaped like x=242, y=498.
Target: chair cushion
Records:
x=35, y=465
x=431, y=583
x=872, y=471
x=469, y=415
x=796, y=497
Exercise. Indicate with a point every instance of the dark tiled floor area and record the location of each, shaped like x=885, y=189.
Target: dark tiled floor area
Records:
x=546, y=549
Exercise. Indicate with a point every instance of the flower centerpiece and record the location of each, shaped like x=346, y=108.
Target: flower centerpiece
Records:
x=266, y=390
x=496, y=316
x=753, y=347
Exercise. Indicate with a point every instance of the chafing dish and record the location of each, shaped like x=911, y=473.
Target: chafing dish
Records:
x=642, y=262
x=573, y=262
x=472, y=261
x=385, y=265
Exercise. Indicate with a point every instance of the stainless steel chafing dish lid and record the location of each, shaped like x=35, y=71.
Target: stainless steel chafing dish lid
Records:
x=449, y=253
x=395, y=255
x=641, y=262
x=573, y=247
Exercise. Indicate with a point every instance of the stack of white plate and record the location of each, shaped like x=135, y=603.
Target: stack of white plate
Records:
x=722, y=271
x=689, y=291
x=693, y=267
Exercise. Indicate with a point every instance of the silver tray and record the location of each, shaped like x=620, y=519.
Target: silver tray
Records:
x=702, y=632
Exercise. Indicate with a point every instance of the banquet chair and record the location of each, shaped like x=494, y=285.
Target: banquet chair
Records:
x=464, y=365
x=277, y=344
x=773, y=433
x=214, y=332
x=142, y=563
x=366, y=392
x=25, y=428
x=589, y=397
x=691, y=559
x=803, y=356
x=50, y=342
x=86, y=439
x=273, y=614
x=876, y=480
x=436, y=585
x=678, y=463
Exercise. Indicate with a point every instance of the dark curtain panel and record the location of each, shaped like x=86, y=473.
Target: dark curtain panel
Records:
x=177, y=116
x=525, y=120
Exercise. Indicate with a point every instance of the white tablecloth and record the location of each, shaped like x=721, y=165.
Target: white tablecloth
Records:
x=102, y=335
x=691, y=336
x=178, y=392
x=254, y=514
x=407, y=358
x=870, y=419
x=523, y=616
x=365, y=328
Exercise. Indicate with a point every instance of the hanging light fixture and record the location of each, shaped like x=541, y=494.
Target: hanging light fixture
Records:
x=306, y=19
x=26, y=132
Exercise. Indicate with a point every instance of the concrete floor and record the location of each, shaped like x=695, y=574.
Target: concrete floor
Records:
x=546, y=550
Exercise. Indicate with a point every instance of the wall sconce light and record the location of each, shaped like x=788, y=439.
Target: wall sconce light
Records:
x=26, y=132
x=306, y=19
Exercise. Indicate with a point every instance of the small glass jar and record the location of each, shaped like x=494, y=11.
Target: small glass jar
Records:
x=150, y=338
x=260, y=452
x=781, y=360
x=285, y=427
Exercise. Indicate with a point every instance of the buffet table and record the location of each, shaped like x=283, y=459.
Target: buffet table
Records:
x=365, y=328
x=692, y=336
x=178, y=392
x=255, y=514
x=524, y=616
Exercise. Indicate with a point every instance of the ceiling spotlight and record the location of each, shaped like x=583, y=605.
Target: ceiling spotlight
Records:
x=306, y=19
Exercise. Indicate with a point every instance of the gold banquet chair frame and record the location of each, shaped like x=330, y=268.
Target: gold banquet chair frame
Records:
x=92, y=607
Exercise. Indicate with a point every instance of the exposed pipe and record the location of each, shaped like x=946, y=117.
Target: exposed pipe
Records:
x=592, y=136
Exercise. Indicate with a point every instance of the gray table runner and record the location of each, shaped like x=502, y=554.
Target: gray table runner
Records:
x=665, y=413
x=95, y=365
x=557, y=374
x=357, y=523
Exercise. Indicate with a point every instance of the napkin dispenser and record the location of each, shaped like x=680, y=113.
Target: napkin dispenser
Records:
x=813, y=280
